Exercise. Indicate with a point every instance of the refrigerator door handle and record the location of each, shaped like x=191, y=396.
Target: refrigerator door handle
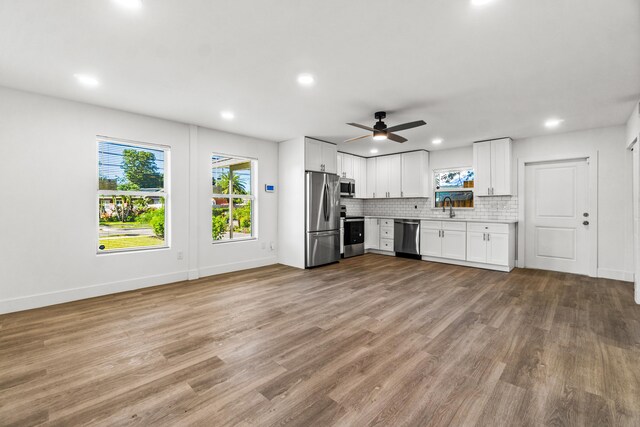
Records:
x=325, y=202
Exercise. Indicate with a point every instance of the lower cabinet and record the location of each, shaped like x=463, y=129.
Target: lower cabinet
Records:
x=443, y=239
x=490, y=244
x=371, y=233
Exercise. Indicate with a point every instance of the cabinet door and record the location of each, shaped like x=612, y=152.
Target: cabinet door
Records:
x=347, y=166
x=498, y=249
x=382, y=177
x=361, y=188
x=330, y=158
x=430, y=242
x=313, y=155
x=414, y=174
x=371, y=233
x=482, y=168
x=454, y=244
x=476, y=247
x=395, y=175
x=372, y=191
x=501, y=167
x=339, y=164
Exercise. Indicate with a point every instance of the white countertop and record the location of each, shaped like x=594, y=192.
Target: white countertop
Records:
x=496, y=221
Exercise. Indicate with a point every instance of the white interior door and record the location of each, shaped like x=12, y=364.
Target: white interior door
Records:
x=556, y=199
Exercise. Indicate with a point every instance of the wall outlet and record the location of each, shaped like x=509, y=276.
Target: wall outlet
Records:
x=180, y=256
x=272, y=246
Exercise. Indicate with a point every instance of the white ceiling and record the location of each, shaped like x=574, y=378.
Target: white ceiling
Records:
x=471, y=73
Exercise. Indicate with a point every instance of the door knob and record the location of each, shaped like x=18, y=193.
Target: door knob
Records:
x=585, y=222
x=586, y=214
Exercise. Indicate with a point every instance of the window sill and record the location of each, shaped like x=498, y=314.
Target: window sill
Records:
x=246, y=239
x=132, y=250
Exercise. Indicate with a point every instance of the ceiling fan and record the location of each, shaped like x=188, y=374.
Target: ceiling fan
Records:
x=382, y=132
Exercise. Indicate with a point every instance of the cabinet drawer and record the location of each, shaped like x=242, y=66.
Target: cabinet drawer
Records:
x=431, y=225
x=386, y=223
x=386, y=244
x=484, y=227
x=386, y=233
x=454, y=225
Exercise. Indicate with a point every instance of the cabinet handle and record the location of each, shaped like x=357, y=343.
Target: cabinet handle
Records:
x=488, y=237
x=442, y=233
x=484, y=236
x=402, y=194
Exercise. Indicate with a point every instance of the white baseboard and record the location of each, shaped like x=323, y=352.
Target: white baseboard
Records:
x=637, y=286
x=236, y=266
x=606, y=273
x=52, y=298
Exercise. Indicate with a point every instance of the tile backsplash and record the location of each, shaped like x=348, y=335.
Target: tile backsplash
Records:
x=355, y=207
x=496, y=208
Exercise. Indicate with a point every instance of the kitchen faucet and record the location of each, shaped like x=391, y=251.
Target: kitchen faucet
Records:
x=451, y=212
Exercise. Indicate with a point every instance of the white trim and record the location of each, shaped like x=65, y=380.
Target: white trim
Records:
x=592, y=169
x=607, y=273
x=194, y=186
x=237, y=266
x=52, y=298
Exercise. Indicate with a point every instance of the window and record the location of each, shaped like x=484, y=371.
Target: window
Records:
x=132, y=196
x=456, y=184
x=233, y=198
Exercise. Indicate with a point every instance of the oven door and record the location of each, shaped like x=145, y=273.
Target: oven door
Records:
x=353, y=232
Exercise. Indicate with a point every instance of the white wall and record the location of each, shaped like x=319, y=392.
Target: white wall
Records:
x=633, y=134
x=48, y=226
x=615, y=218
x=215, y=258
x=291, y=208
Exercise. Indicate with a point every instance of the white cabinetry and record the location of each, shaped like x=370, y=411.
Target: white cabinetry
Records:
x=443, y=239
x=490, y=243
x=371, y=233
x=345, y=165
x=492, y=167
x=371, y=178
x=320, y=156
x=415, y=174
x=386, y=235
x=388, y=178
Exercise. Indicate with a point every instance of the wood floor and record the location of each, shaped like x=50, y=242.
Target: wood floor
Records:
x=374, y=340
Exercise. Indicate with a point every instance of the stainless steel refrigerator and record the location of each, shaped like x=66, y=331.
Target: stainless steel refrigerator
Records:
x=323, y=218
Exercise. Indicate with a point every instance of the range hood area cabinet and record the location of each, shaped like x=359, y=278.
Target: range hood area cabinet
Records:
x=354, y=167
x=492, y=167
x=320, y=156
x=398, y=175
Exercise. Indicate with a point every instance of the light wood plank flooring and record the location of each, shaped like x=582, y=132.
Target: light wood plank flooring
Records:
x=373, y=340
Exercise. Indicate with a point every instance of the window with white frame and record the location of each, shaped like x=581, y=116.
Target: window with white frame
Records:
x=453, y=187
x=132, y=195
x=233, y=198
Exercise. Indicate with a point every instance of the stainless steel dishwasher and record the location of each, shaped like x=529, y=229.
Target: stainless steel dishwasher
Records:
x=406, y=236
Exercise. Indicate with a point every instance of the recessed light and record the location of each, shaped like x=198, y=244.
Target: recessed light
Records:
x=87, y=80
x=306, y=79
x=553, y=123
x=480, y=2
x=129, y=4
x=373, y=150
x=437, y=141
x=227, y=115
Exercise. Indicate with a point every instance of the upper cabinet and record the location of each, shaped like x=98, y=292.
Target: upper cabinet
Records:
x=360, y=176
x=388, y=177
x=492, y=167
x=371, y=178
x=415, y=174
x=346, y=165
x=320, y=156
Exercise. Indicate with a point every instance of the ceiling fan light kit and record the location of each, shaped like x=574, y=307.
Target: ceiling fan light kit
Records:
x=380, y=131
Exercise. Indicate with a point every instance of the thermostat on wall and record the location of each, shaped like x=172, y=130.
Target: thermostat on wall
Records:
x=270, y=188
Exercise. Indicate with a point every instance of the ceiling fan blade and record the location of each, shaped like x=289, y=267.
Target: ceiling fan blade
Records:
x=361, y=126
x=396, y=138
x=358, y=137
x=406, y=126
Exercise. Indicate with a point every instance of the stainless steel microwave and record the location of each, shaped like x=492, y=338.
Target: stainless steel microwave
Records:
x=347, y=187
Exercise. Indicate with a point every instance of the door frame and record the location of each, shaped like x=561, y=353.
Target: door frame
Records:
x=591, y=158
